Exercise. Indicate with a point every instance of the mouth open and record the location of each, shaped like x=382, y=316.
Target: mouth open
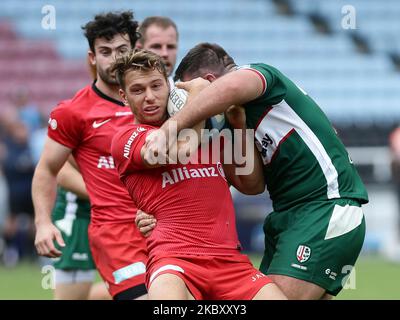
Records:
x=167, y=64
x=151, y=110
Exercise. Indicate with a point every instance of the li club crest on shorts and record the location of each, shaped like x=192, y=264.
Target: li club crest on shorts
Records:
x=303, y=253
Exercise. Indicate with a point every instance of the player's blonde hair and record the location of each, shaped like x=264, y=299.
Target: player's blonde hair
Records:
x=138, y=60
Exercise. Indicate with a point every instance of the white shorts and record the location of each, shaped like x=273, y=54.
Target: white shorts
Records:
x=74, y=276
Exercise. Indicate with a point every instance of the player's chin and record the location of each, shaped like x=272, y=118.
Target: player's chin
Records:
x=168, y=67
x=155, y=116
x=156, y=119
x=111, y=78
x=111, y=81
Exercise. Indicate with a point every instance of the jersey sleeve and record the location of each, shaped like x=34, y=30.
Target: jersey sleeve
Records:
x=64, y=126
x=274, y=89
x=126, y=147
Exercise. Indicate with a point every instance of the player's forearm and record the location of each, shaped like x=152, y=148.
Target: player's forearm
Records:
x=234, y=88
x=71, y=179
x=191, y=141
x=252, y=183
x=44, y=186
x=247, y=176
x=207, y=103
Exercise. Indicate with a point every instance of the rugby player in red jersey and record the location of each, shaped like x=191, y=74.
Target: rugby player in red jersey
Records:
x=84, y=126
x=194, y=252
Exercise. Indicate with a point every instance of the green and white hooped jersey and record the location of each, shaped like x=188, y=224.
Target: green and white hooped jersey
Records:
x=303, y=157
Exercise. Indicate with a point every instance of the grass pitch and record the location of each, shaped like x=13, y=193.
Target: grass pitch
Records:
x=375, y=278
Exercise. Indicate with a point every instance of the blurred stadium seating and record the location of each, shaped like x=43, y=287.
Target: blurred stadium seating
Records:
x=351, y=87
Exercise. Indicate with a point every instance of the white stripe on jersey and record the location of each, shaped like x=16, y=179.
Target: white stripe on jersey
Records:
x=278, y=123
x=248, y=67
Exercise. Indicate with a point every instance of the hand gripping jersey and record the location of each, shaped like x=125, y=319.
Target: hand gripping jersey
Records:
x=192, y=203
x=303, y=157
x=86, y=124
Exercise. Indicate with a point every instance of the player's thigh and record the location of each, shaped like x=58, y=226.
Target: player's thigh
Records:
x=270, y=292
x=73, y=284
x=297, y=289
x=99, y=291
x=72, y=291
x=168, y=286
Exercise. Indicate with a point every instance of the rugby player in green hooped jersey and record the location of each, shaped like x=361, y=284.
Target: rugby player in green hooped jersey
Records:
x=316, y=231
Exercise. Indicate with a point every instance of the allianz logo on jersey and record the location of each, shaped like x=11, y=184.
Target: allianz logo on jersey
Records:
x=173, y=176
x=128, y=144
x=106, y=162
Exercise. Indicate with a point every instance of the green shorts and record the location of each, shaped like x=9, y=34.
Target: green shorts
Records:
x=318, y=242
x=72, y=217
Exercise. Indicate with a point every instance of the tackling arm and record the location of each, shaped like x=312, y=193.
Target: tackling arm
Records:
x=252, y=183
x=234, y=88
x=180, y=148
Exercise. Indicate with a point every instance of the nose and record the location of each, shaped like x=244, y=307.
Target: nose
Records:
x=149, y=95
x=164, y=52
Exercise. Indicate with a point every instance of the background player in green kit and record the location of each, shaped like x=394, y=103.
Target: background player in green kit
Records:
x=317, y=229
x=75, y=269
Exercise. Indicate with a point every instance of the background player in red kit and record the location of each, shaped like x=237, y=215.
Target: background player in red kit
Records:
x=84, y=126
x=194, y=251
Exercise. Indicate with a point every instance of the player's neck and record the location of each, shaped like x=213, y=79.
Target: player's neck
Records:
x=110, y=91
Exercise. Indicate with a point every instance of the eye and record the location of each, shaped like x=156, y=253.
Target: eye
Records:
x=105, y=52
x=123, y=50
x=155, y=46
x=136, y=91
x=156, y=86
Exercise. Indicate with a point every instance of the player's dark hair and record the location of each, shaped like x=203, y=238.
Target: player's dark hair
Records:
x=163, y=22
x=141, y=60
x=107, y=25
x=204, y=57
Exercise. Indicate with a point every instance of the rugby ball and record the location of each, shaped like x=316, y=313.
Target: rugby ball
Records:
x=176, y=100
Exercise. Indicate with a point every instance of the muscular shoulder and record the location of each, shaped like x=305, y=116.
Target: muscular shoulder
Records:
x=130, y=131
x=127, y=137
x=126, y=145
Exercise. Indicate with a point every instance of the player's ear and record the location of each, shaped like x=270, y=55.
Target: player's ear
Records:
x=210, y=77
x=123, y=97
x=92, y=57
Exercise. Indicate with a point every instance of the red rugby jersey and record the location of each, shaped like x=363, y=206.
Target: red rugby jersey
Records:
x=86, y=124
x=192, y=202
